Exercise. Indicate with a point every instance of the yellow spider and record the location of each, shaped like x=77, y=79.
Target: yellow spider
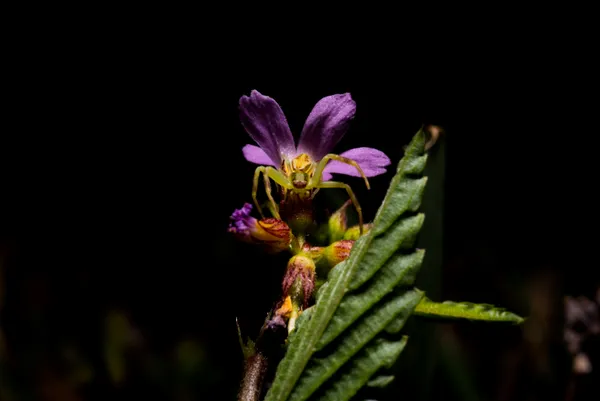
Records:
x=302, y=176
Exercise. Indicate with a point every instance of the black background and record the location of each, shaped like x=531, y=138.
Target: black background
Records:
x=122, y=163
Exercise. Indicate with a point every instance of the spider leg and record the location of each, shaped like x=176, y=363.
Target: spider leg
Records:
x=274, y=208
x=316, y=178
x=275, y=175
x=334, y=184
x=257, y=173
x=278, y=177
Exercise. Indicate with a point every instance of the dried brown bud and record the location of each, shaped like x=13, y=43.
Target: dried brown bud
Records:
x=434, y=133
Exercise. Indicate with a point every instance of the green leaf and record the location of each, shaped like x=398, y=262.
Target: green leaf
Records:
x=320, y=369
x=400, y=270
x=363, y=296
x=465, y=310
x=381, y=353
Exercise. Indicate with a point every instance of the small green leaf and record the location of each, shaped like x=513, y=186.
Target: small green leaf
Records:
x=465, y=310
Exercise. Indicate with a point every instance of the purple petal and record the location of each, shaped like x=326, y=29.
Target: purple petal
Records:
x=241, y=222
x=326, y=176
x=372, y=162
x=326, y=125
x=264, y=121
x=256, y=155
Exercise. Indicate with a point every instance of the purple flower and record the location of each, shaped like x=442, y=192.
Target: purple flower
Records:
x=273, y=234
x=241, y=221
x=325, y=126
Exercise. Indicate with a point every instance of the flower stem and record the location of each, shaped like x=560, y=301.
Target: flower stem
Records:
x=257, y=356
x=254, y=374
x=298, y=241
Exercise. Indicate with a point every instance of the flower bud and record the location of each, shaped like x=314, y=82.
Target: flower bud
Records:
x=337, y=252
x=338, y=223
x=288, y=311
x=299, y=279
x=353, y=233
x=273, y=234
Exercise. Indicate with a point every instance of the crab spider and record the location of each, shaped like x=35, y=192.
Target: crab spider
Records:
x=302, y=175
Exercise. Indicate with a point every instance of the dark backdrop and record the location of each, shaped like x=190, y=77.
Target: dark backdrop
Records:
x=122, y=164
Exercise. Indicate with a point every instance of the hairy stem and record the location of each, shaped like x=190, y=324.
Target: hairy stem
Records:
x=254, y=374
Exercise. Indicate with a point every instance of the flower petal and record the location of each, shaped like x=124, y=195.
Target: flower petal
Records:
x=326, y=176
x=371, y=161
x=265, y=122
x=256, y=155
x=326, y=125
